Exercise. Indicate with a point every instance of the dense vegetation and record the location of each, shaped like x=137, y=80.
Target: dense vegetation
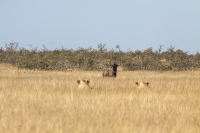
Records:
x=98, y=59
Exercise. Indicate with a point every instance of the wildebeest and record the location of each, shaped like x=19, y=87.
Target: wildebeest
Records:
x=142, y=85
x=112, y=72
x=83, y=84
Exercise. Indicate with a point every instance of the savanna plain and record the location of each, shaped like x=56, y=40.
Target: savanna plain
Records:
x=50, y=102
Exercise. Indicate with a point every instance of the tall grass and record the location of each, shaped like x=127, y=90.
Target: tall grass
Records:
x=50, y=102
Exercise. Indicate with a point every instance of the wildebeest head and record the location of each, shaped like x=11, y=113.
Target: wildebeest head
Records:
x=114, y=66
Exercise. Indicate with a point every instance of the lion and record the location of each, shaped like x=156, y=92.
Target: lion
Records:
x=142, y=85
x=83, y=84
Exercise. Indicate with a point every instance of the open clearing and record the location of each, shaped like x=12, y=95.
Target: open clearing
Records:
x=50, y=102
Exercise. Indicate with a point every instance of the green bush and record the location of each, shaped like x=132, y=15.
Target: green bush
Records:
x=98, y=59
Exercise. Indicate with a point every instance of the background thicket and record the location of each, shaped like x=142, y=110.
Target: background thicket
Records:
x=98, y=59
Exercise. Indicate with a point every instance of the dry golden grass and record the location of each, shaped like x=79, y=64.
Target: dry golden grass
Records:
x=50, y=102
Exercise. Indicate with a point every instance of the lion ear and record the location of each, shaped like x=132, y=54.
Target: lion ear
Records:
x=88, y=82
x=78, y=81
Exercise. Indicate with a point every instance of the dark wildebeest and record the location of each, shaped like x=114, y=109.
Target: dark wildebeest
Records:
x=112, y=72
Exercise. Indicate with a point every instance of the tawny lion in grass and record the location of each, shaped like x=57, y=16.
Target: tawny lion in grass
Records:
x=142, y=85
x=84, y=84
x=112, y=72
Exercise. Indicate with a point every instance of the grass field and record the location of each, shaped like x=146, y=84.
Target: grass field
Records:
x=50, y=102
